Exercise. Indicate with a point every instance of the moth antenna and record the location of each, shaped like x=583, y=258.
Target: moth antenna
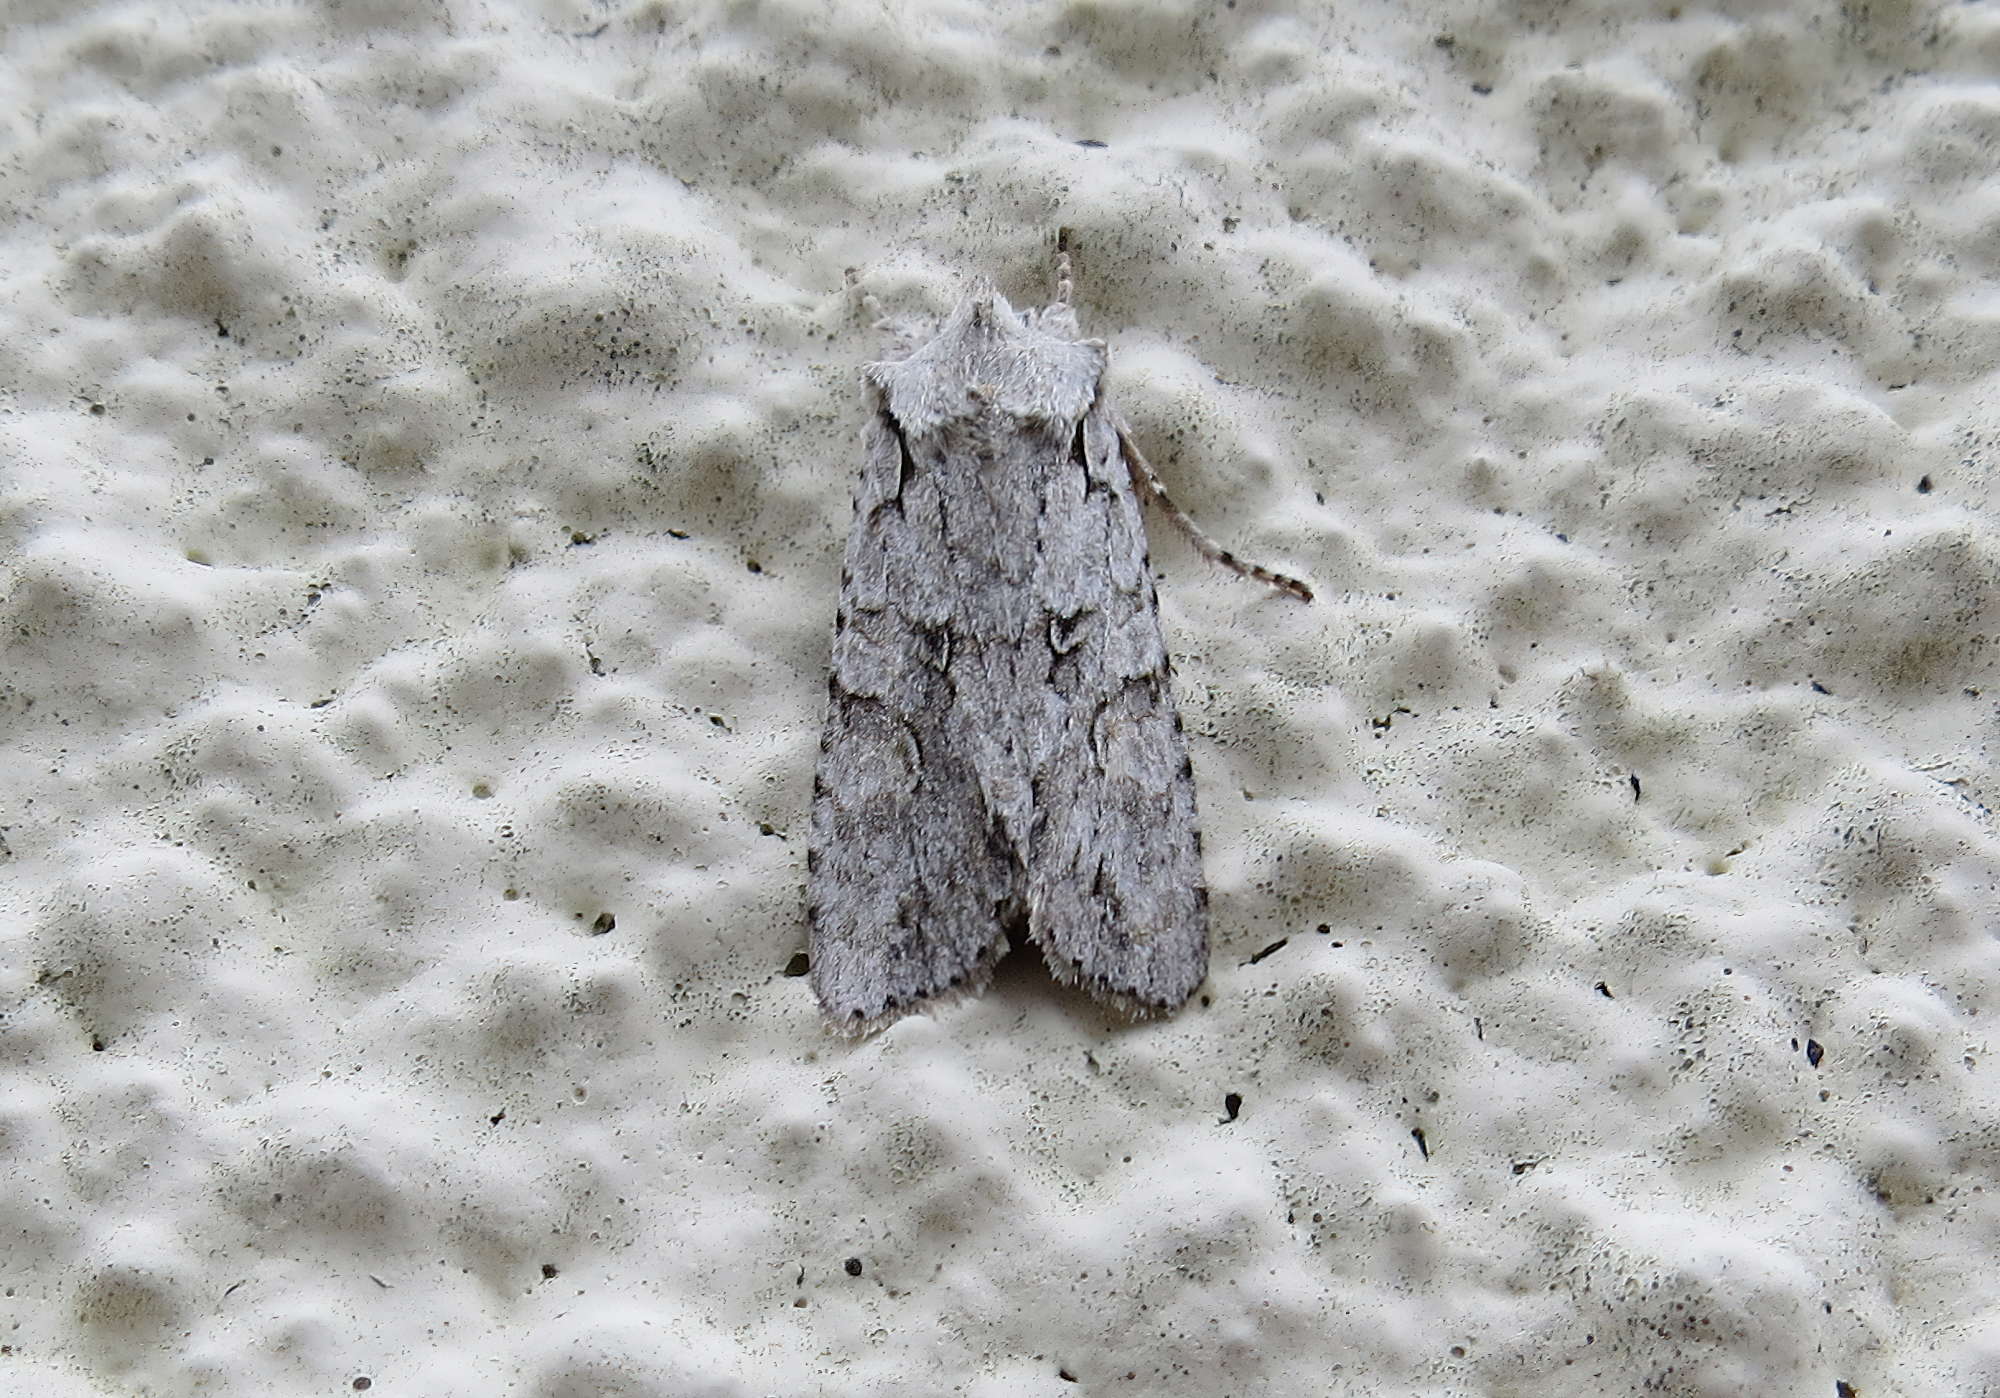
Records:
x=870, y=307
x=901, y=331
x=1147, y=482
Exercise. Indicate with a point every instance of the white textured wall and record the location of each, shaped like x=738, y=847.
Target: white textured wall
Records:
x=425, y=437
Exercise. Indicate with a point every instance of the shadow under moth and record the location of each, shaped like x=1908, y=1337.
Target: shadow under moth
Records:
x=1002, y=751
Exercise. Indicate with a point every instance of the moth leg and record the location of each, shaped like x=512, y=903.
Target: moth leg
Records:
x=1146, y=481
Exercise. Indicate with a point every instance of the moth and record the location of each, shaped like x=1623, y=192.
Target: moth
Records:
x=1002, y=752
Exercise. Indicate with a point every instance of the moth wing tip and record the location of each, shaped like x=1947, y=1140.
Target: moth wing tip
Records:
x=1134, y=1001
x=849, y=1020
x=1140, y=1004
